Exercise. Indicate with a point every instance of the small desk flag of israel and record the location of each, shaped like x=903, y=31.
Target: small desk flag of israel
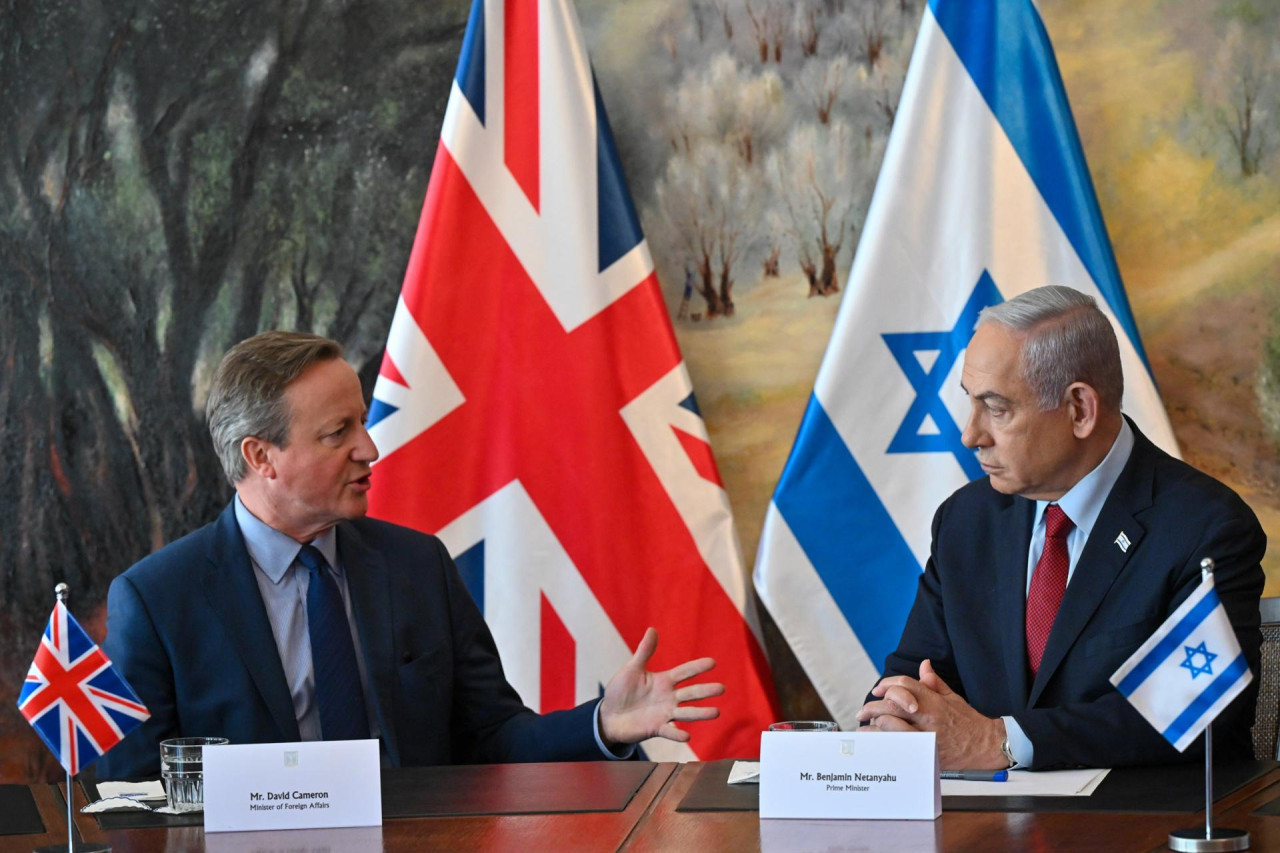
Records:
x=1188, y=671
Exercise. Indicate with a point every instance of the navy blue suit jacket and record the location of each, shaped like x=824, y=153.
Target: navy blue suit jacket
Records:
x=187, y=628
x=970, y=609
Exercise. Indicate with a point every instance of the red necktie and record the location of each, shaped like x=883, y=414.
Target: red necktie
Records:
x=1047, y=584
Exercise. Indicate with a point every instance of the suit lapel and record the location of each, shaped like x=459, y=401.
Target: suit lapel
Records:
x=1102, y=559
x=233, y=595
x=1011, y=576
x=369, y=584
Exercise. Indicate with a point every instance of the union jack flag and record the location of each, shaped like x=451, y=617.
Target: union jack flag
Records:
x=533, y=408
x=74, y=698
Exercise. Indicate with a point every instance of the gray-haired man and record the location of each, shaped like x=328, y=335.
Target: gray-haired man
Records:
x=1048, y=573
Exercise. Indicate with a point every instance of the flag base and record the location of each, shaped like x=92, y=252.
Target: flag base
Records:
x=1194, y=841
x=78, y=847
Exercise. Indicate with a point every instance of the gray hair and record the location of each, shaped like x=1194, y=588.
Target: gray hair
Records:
x=1068, y=339
x=247, y=397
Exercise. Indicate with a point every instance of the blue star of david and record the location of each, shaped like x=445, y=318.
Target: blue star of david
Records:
x=927, y=384
x=1190, y=663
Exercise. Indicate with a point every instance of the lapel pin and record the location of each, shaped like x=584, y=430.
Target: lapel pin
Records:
x=1123, y=541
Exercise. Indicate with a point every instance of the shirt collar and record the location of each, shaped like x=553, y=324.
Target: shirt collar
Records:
x=1083, y=502
x=273, y=551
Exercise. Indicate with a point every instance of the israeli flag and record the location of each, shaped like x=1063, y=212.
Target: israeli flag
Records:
x=984, y=193
x=1189, y=670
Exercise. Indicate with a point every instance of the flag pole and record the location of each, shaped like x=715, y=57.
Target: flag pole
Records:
x=71, y=847
x=1208, y=781
x=62, y=591
x=1190, y=840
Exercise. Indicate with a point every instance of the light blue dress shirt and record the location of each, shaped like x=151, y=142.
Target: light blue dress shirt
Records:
x=283, y=583
x=1082, y=504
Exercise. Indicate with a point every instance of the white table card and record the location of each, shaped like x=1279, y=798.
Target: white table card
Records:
x=316, y=784
x=874, y=775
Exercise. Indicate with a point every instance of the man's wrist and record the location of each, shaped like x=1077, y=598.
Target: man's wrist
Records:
x=1020, y=747
x=611, y=750
x=1002, y=735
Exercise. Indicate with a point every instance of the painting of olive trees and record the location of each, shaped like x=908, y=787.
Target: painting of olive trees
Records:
x=175, y=177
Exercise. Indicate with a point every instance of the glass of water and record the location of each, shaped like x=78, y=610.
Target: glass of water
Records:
x=182, y=769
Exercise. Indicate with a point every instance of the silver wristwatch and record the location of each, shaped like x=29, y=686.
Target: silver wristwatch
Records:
x=1007, y=752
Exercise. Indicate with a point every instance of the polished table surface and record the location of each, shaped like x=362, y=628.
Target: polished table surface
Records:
x=665, y=828
x=651, y=821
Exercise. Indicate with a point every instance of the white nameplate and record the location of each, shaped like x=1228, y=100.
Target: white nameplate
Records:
x=310, y=785
x=875, y=775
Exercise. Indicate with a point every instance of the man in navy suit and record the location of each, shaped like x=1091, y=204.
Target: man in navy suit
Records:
x=1047, y=574
x=294, y=617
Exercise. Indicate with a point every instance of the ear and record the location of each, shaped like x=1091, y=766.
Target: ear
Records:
x=258, y=456
x=1083, y=406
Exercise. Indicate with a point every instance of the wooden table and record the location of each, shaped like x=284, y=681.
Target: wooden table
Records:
x=53, y=811
x=651, y=822
x=666, y=829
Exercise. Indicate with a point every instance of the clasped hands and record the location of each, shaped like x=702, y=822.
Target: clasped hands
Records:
x=639, y=704
x=967, y=740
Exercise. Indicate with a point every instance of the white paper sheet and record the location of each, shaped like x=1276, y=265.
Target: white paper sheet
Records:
x=115, y=804
x=1022, y=783
x=133, y=790
x=1028, y=783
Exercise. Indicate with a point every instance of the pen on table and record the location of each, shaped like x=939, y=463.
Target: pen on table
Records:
x=977, y=775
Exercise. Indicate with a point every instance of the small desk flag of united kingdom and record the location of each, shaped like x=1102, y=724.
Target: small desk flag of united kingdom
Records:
x=74, y=698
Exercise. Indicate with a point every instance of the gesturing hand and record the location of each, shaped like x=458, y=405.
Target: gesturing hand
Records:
x=640, y=704
x=967, y=740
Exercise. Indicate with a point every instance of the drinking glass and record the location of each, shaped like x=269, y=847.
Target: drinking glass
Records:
x=804, y=726
x=182, y=769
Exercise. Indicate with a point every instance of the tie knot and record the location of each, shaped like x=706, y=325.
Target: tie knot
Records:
x=312, y=559
x=1056, y=523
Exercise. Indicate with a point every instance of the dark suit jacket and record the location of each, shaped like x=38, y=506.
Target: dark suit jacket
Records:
x=187, y=628
x=969, y=612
